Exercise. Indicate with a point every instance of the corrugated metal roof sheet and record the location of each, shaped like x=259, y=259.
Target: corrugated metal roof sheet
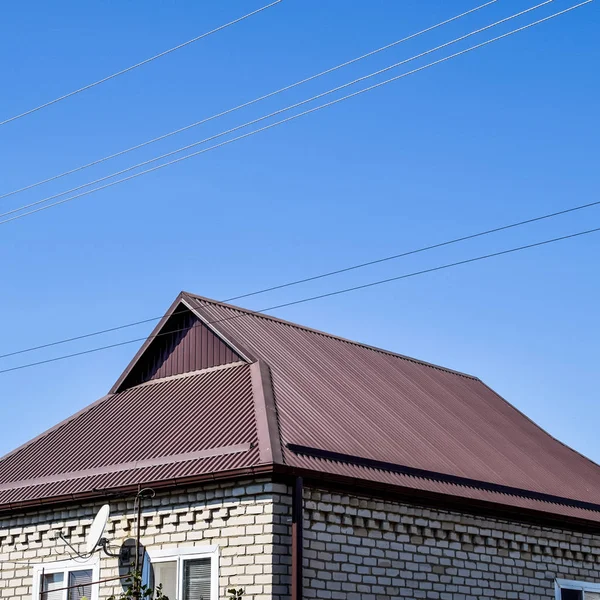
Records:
x=179, y=344
x=398, y=421
x=345, y=397
x=208, y=414
x=420, y=484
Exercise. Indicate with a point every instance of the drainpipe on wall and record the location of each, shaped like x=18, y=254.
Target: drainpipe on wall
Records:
x=297, y=543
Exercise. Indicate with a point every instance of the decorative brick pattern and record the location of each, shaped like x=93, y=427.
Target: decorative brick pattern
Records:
x=355, y=547
x=359, y=548
x=247, y=522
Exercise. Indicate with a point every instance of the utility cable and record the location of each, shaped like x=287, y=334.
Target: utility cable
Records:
x=293, y=117
x=263, y=118
x=136, y=66
x=245, y=104
x=313, y=298
x=319, y=276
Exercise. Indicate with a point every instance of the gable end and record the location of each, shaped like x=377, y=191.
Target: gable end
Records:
x=181, y=344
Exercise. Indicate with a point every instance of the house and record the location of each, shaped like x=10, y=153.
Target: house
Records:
x=252, y=452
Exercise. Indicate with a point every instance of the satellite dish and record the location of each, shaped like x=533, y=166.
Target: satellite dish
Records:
x=97, y=529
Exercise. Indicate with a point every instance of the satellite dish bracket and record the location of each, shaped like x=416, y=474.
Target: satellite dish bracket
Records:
x=123, y=555
x=95, y=539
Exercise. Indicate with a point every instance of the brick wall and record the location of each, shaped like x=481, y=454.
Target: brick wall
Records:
x=356, y=548
x=247, y=522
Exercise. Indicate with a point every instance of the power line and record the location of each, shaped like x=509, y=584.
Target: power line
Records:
x=317, y=108
x=275, y=124
x=136, y=66
x=260, y=119
x=319, y=276
x=246, y=104
x=317, y=297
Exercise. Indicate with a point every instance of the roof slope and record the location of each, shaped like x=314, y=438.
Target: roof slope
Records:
x=283, y=394
x=347, y=398
x=98, y=448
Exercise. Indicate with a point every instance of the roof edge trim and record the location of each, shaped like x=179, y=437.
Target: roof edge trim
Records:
x=118, y=384
x=233, y=345
x=267, y=421
x=129, y=466
x=196, y=373
x=179, y=301
x=213, y=326
x=412, y=496
x=442, y=477
x=329, y=335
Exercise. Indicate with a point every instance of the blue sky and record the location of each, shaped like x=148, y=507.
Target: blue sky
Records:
x=502, y=134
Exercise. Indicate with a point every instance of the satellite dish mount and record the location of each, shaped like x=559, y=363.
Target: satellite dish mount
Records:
x=95, y=538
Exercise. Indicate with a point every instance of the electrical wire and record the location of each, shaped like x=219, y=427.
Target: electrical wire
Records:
x=285, y=285
x=313, y=298
x=246, y=104
x=264, y=117
x=293, y=117
x=136, y=66
x=320, y=275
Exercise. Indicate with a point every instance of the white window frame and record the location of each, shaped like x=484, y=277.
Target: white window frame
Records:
x=64, y=566
x=179, y=555
x=572, y=584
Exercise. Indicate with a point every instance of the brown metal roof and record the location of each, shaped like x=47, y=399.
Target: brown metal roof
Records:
x=301, y=399
x=180, y=343
x=343, y=397
x=181, y=426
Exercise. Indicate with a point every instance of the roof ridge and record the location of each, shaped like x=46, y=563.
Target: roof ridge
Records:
x=329, y=335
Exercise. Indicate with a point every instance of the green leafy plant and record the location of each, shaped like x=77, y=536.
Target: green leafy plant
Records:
x=136, y=590
x=234, y=594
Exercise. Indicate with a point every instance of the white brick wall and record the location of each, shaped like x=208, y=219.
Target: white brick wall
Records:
x=359, y=548
x=248, y=522
x=355, y=547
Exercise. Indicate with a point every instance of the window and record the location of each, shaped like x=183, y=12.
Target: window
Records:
x=186, y=573
x=66, y=580
x=576, y=590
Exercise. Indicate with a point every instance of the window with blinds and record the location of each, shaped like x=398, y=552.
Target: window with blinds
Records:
x=52, y=584
x=186, y=573
x=69, y=584
x=196, y=579
x=80, y=584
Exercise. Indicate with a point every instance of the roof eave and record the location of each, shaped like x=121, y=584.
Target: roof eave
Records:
x=328, y=481
x=461, y=504
x=118, y=492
